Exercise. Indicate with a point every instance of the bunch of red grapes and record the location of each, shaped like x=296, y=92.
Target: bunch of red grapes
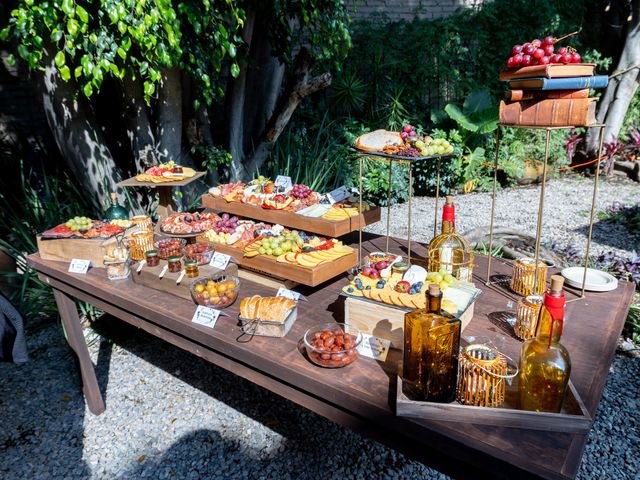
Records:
x=300, y=191
x=541, y=52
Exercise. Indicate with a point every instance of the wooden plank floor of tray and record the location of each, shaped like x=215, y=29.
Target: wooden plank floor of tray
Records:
x=362, y=395
x=320, y=226
x=268, y=265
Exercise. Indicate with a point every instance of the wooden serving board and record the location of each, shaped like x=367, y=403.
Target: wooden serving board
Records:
x=384, y=321
x=573, y=418
x=268, y=266
x=148, y=276
x=320, y=226
x=66, y=249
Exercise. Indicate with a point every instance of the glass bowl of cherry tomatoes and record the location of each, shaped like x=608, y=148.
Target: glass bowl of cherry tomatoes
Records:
x=216, y=291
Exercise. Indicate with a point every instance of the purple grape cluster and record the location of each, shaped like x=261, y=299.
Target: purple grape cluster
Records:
x=300, y=191
x=226, y=224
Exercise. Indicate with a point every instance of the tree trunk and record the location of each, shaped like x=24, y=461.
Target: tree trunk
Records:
x=139, y=128
x=622, y=87
x=78, y=137
x=300, y=86
x=169, y=125
x=236, y=101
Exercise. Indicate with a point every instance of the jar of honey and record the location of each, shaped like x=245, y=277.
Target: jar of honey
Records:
x=191, y=267
x=152, y=258
x=175, y=265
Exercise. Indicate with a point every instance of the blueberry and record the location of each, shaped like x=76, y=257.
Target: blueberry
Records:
x=350, y=290
x=359, y=286
x=412, y=291
x=380, y=285
x=368, y=287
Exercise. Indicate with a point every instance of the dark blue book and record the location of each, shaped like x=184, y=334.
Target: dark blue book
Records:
x=568, y=83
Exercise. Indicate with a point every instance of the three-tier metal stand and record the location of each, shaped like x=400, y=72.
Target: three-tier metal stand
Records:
x=400, y=160
x=541, y=202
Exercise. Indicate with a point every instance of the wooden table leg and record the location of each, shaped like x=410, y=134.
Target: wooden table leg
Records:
x=71, y=322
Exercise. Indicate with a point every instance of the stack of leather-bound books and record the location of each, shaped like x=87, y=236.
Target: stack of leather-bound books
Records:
x=553, y=95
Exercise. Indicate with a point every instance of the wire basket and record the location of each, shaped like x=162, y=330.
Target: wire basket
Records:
x=523, y=281
x=527, y=316
x=482, y=375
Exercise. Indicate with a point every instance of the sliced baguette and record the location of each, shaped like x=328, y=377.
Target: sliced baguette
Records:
x=378, y=139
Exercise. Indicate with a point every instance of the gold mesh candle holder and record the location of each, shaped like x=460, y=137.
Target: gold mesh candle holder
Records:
x=524, y=274
x=527, y=316
x=482, y=373
x=140, y=242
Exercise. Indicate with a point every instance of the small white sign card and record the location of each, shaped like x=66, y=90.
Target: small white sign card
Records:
x=78, y=265
x=374, y=347
x=295, y=296
x=283, y=181
x=220, y=260
x=338, y=194
x=206, y=316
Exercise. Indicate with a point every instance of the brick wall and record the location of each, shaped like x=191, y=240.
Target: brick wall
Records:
x=408, y=9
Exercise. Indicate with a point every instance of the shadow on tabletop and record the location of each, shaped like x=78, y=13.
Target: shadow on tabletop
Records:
x=41, y=402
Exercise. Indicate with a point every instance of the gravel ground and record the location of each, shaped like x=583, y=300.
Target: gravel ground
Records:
x=566, y=214
x=172, y=415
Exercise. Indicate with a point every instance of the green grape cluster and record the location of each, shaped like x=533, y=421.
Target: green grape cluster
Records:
x=434, y=146
x=287, y=242
x=79, y=223
x=442, y=278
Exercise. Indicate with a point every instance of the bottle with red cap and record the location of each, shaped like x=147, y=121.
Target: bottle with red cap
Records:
x=545, y=365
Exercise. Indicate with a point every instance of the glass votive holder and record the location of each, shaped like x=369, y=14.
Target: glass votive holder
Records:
x=527, y=316
x=523, y=281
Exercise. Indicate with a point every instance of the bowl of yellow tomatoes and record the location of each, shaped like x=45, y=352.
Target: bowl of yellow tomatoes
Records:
x=217, y=291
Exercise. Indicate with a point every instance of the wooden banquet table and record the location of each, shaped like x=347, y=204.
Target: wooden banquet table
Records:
x=360, y=396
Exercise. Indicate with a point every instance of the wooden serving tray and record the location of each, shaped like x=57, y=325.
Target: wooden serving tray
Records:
x=270, y=267
x=66, y=249
x=148, y=276
x=320, y=226
x=574, y=417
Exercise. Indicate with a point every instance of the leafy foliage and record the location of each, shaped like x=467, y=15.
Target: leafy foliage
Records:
x=45, y=201
x=94, y=39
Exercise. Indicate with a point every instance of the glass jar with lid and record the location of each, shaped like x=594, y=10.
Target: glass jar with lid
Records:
x=174, y=263
x=191, y=267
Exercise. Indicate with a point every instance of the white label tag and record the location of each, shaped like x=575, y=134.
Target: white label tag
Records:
x=79, y=266
x=283, y=292
x=220, y=260
x=283, y=181
x=338, y=194
x=206, y=316
x=374, y=347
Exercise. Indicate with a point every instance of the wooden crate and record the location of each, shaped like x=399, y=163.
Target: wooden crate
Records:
x=148, y=276
x=268, y=266
x=574, y=417
x=65, y=249
x=384, y=321
x=320, y=226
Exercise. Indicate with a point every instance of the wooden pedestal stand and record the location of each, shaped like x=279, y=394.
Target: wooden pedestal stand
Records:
x=166, y=205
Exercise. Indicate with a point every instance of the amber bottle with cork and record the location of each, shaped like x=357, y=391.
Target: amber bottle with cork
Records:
x=431, y=347
x=545, y=365
x=450, y=252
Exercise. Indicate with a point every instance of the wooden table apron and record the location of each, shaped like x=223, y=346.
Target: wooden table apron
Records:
x=360, y=396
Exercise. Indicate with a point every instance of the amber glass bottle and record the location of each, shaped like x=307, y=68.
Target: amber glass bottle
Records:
x=545, y=365
x=431, y=347
x=450, y=251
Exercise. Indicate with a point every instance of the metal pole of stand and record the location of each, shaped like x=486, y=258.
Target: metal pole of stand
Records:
x=386, y=250
x=541, y=210
x=435, y=216
x=593, y=211
x=360, y=225
x=409, y=219
x=493, y=204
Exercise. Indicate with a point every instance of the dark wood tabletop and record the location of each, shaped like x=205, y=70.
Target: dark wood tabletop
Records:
x=361, y=396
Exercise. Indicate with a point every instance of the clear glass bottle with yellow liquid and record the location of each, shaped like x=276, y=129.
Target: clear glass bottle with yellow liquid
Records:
x=545, y=365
